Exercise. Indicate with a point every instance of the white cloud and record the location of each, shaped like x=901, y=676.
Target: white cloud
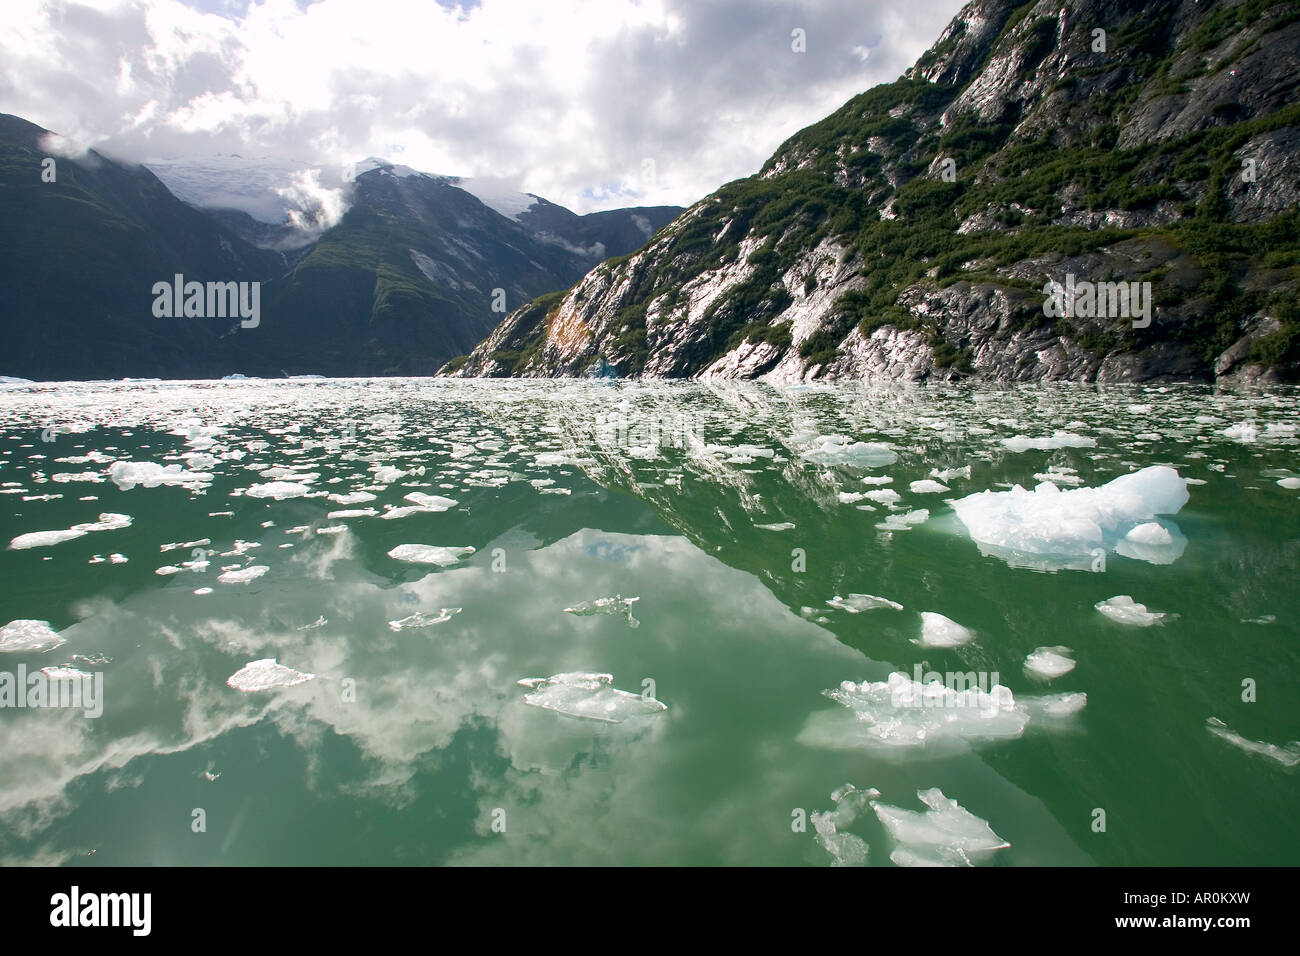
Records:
x=569, y=97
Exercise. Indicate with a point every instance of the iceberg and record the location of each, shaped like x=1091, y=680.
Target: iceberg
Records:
x=838, y=450
x=29, y=636
x=588, y=696
x=428, y=554
x=1058, y=529
x=1050, y=662
x=612, y=605
x=946, y=834
x=421, y=619
x=857, y=603
x=1125, y=610
x=265, y=675
x=1287, y=756
x=940, y=631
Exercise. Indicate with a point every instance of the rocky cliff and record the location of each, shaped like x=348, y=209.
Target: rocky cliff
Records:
x=928, y=228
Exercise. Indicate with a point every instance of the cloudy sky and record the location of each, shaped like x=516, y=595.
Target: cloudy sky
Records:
x=591, y=103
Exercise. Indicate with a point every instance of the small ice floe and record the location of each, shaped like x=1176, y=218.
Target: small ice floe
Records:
x=1287, y=756
x=610, y=605
x=1054, y=705
x=243, y=575
x=904, y=522
x=148, y=474
x=423, y=504
x=319, y=622
x=428, y=554
x=850, y=497
x=167, y=569
x=266, y=675
x=332, y=529
x=1245, y=432
x=589, y=696
x=278, y=490
x=352, y=498
x=877, y=480
x=1262, y=619
x=43, y=539
x=202, y=591
x=1059, y=475
x=947, y=834
x=927, y=486
x=857, y=603
x=421, y=619
x=1059, y=439
x=838, y=450
x=352, y=513
x=777, y=526
x=940, y=631
x=1125, y=610
x=847, y=849
x=1052, y=529
x=902, y=713
x=1290, y=484
x=947, y=474
x=65, y=673
x=29, y=636
x=884, y=496
x=1050, y=662
x=116, y=558
x=185, y=544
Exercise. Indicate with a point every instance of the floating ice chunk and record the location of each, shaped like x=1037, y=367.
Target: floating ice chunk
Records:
x=1245, y=432
x=332, y=529
x=65, y=673
x=1152, y=533
x=857, y=603
x=884, y=496
x=428, y=554
x=43, y=539
x=1058, y=439
x=30, y=636
x=940, y=631
x=279, y=490
x=167, y=569
x=901, y=712
x=850, y=497
x=319, y=622
x=589, y=696
x=1050, y=662
x=202, y=591
x=1055, y=705
x=106, y=522
x=243, y=575
x=945, y=835
x=1290, y=484
x=352, y=498
x=148, y=474
x=777, y=526
x=848, y=849
x=352, y=513
x=1067, y=525
x=1288, y=755
x=611, y=605
x=431, y=502
x=904, y=522
x=421, y=619
x=947, y=474
x=838, y=450
x=927, y=486
x=877, y=480
x=266, y=675
x=118, y=558
x=1127, y=611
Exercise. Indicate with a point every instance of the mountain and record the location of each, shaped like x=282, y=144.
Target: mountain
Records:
x=403, y=280
x=81, y=255
x=915, y=233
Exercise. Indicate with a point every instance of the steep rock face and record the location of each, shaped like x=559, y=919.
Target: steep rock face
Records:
x=912, y=234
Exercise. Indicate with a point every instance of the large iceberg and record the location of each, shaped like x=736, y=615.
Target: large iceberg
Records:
x=1053, y=529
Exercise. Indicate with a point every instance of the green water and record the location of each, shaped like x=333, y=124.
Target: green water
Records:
x=417, y=746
